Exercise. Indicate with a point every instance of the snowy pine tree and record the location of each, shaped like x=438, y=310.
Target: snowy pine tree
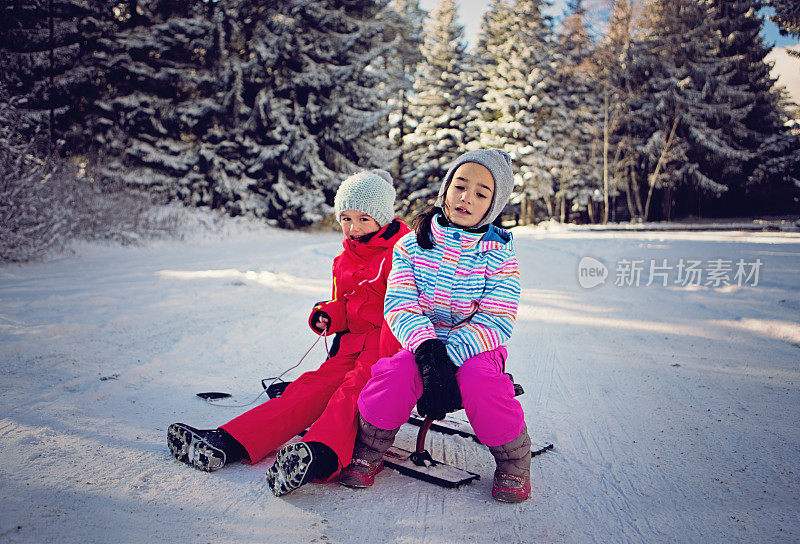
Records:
x=241, y=105
x=160, y=123
x=712, y=105
x=716, y=115
x=492, y=33
x=518, y=107
x=578, y=121
x=786, y=16
x=318, y=111
x=647, y=126
x=761, y=130
x=613, y=60
x=493, y=29
x=442, y=107
x=689, y=103
x=406, y=22
x=44, y=47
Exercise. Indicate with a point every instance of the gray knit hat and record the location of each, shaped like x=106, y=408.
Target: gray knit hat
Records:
x=499, y=165
x=370, y=192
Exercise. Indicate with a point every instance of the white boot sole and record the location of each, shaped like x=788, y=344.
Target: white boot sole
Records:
x=190, y=448
x=290, y=468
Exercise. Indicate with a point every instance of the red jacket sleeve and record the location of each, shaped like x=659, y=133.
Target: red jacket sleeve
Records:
x=335, y=310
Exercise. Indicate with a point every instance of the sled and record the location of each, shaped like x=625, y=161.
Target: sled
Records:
x=419, y=464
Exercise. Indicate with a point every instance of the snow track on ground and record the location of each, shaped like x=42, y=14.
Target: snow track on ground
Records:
x=673, y=409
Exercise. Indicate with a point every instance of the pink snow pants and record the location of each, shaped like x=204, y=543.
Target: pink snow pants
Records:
x=488, y=394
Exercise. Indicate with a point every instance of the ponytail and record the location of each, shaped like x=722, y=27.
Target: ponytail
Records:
x=422, y=226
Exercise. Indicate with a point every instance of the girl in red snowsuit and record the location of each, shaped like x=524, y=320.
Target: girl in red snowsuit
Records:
x=323, y=400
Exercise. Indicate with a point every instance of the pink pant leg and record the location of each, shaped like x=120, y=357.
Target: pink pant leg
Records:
x=488, y=396
x=390, y=395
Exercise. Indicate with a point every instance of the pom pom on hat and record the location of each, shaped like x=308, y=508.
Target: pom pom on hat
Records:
x=370, y=192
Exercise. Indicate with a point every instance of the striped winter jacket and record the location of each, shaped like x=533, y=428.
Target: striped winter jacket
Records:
x=464, y=291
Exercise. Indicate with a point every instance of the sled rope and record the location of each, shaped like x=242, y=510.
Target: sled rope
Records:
x=327, y=352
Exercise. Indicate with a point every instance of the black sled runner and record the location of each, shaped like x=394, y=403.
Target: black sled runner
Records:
x=419, y=464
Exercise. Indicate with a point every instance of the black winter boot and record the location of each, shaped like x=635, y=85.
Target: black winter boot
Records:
x=299, y=463
x=204, y=449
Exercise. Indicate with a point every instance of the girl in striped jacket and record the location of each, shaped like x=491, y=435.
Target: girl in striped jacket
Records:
x=451, y=302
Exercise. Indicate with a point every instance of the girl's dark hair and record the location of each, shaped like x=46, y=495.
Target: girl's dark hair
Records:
x=422, y=226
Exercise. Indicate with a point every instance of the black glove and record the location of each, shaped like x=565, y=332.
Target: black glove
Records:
x=315, y=317
x=440, y=392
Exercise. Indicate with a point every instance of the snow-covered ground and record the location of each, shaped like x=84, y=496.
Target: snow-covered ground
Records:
x=673, y=408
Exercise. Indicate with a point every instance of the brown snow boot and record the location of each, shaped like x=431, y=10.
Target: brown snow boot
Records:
x=371, y=443
x=512, y=479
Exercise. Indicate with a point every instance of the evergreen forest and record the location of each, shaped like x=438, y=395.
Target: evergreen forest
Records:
x=664, y=110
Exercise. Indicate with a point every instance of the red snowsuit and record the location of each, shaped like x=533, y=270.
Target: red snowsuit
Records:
x=325, y=399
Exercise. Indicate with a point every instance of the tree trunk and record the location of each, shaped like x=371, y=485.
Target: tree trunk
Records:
x=629, y=198
x=51, y=47
x=548, y=200
x=659, y=164
x=666, y=204
x=605, y=159
x=401, y=126
x=615, y=175
x=637, y=197
x=614, y=208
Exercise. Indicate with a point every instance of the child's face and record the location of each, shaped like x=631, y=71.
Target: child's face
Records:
x=469, y=195
x=356, y=224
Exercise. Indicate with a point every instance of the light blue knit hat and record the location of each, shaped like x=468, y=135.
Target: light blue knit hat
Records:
x=499, y=165
x=370, y=192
